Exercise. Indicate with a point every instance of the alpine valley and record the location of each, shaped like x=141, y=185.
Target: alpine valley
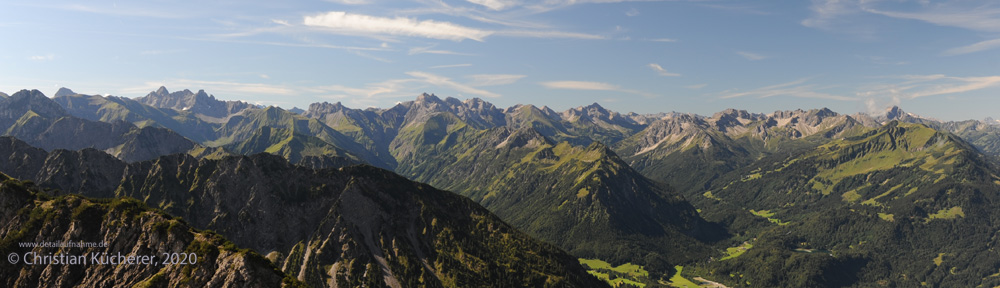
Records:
x=460, y=193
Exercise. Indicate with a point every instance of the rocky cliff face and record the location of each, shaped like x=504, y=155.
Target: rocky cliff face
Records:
x=128, y=228
x=199, y=103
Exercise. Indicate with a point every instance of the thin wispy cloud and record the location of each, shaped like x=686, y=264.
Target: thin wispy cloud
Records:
x=548, y=34
x=975, y=15
x=977, y=47
x=827, y=12
x=797, y=88
x=479, y=80
x=742, y=9
x=285, y=44
x=160, y=52
x=446, y=82
x=580, y=85
x=358, y=24
x=632, y=12
x=451, y=66
x=46, y=57
x=351, y=2
x=122, y=11
x=549, y=5
x=888, y=93
x=916, y=86
x=661, y=71
x=751, y=56
x=662, y=40
x=972, y=15
x=497, y=5
x=592, y=86
x=696, y=86
x=430, y=50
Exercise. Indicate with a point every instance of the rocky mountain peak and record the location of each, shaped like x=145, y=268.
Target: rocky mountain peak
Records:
x=201, y=94
x=317, y=110
x=453, y=102
x=64, y=92
x=894, y=113
x=594, y=107
x=16, y=105
x=478, y=104
x=424, y=97
x=526, y=137
x=991, y=121
x=200, y=102
x=733, y=114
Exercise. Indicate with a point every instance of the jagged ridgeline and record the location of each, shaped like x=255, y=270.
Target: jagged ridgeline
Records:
x=128, y=227
x=691, y=151
x=349, y=227
x=901, y=205
x=799, y=174
x=38, y=120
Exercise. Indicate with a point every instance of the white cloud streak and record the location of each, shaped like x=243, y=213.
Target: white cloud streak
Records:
x=592, y=86
x=349, y=23
x=498, y=5
x=451, y=66
x=825, y=12
x=661, y=71
x=918, y=86
x=351, y=2
x=972, y=17
x=46, y=57
x=446, y=82
x=667, y=40
x=430, y=50
x=549, y=34
x=751, y=56
x=796, y=88
x=479, y=80
x=980, y=46
x=580, y=85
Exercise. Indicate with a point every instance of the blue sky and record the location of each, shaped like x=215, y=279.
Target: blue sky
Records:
x=935, y=58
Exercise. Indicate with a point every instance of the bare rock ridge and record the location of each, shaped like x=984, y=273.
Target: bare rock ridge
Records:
x=128, y=227
x=199, y=102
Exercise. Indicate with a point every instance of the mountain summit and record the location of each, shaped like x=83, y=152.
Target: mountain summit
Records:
x=199, y=103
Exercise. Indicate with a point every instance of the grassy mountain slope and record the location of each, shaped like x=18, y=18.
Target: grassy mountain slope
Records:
x=288, y=144
x=583, y=199
x=243, y=127
x=691, y=151
x=902, y=205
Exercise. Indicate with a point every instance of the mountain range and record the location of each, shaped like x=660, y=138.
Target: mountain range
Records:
x=659, y=190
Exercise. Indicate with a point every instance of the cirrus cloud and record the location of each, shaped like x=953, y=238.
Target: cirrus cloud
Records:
x=350, y=23
x=592, y=86
x=659, y=69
